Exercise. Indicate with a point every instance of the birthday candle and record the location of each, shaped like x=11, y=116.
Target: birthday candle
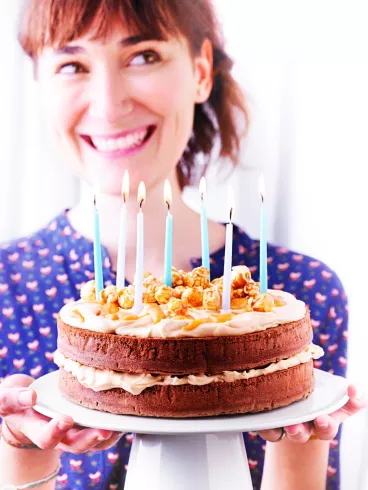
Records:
x=120, y=275
x=226, y=293
x=97, y=253
x=138, y=295
x=204, y=225
x=263, y=240
x=168, y=235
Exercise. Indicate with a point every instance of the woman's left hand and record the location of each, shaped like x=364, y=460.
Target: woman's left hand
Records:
x=324, y=427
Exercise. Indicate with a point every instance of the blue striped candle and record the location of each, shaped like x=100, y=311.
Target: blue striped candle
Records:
x=204, y=226
x=168, y=236
x=97, y=253
x=263, y=240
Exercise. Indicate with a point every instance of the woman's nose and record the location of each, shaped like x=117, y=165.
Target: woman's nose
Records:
x=109, y=98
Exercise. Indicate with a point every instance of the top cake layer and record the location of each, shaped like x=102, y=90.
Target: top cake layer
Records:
x=191, y=308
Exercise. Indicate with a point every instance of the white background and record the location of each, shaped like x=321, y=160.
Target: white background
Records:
x=304, y=68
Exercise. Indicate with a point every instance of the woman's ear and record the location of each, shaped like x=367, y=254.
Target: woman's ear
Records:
x=203, y=64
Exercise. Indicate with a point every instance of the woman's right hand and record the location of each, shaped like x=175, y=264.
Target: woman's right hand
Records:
x=23, y=425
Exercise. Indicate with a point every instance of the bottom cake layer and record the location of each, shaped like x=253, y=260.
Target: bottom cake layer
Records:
x=257, y=394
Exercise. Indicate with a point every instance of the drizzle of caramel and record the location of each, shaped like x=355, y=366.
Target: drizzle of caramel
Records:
x=182, y=317
x=279, y=301
x=78, y=313
x=222, y=317
x=156, y=313
x=130, y=317
x=195, y=323
x=214, y=318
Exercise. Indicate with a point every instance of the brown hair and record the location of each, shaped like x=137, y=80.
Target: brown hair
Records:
x=224, y=115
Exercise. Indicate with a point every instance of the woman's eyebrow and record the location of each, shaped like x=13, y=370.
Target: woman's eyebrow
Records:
x=69, y=50
x=133, y=40
x=126, y=42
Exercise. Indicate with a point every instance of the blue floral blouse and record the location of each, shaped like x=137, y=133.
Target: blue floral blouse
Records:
x=42, y=272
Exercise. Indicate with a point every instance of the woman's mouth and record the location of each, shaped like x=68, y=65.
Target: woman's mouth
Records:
x=120, y=144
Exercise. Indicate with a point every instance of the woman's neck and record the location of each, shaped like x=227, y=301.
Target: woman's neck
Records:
x=186, y=228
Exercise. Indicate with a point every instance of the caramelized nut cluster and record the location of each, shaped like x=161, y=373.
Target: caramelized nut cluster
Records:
x=189, y=290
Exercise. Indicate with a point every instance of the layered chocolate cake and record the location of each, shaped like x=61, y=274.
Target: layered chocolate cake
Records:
x=182, y=356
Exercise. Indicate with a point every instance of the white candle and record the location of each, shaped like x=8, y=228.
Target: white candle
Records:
x=204, y=226
x=120, y=274
x=138, y=284
x=226, y=289
x=263, y=277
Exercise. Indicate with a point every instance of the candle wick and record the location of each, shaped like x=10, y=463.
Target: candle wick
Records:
x=141, y=203
x=231, y=214
x=168, y=205
x=262, y=198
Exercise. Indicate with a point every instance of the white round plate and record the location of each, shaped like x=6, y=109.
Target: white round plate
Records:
x=329, y=395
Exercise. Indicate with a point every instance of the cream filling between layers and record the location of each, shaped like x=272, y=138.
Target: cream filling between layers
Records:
x=105, y=379
x=86, y=315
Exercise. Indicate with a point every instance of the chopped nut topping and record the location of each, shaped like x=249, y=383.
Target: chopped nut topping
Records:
x=251, y=288
x=109, y=294
x=218, y=283
x=189, y=290
x=211, y=299
x=163, y=294
x=176, y=307
x=193, y=296
x=178, y=291
x=110, y=308
x=199, y=277
x=240, y=304
x=237, y=293
x=240, y=276
x=177, y=277
x=149, y=280
x=88, y=291
x=149, y=294
x=126, y=297
x=264, y=302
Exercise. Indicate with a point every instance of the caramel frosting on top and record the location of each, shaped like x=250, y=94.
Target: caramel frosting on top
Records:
x=190, y=308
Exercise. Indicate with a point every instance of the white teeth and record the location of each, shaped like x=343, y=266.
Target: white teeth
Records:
x=111, y=145
x=122, y=143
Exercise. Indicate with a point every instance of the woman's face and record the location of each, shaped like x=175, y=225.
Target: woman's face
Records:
x=123, y=103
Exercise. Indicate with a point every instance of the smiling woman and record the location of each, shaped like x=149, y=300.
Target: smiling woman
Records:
x=143, y=85
x=149, y=74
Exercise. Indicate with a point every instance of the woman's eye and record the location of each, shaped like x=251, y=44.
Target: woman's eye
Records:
x=70, y=69
x=145, y=58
